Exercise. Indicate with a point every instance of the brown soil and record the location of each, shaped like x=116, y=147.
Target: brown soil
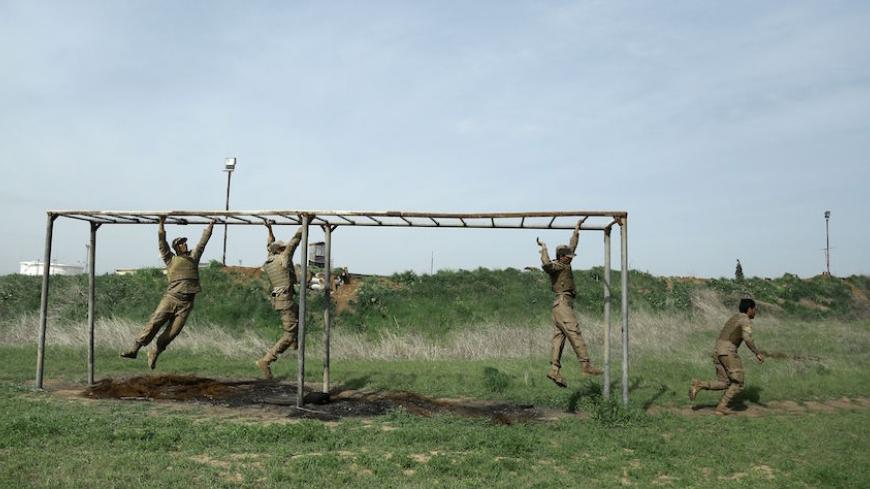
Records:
x=345, y=294
x=788, y=356
x=771, y=408
x=246, y=272
x=274, y=400
x=339, y=403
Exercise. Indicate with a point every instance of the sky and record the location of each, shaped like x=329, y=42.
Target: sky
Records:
x=724, y=129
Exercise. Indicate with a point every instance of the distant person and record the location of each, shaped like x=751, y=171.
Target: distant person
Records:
x=729, y=368
x=282, y=274
x=564, y=322
x=738, y=271
x=182, y=270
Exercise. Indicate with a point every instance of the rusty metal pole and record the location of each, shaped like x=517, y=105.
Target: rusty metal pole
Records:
x=607, y=322
x=92, y=288
x=327, y=304
x=43, y=304
x=226, y=207
x=303, y=289
x=623, y=239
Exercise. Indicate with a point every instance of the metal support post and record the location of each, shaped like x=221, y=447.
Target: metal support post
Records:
x=92, y=287
x=303, y=289
x=623, y=239
x=43, y=304
x=327, y=305
x=227, y=207
x=607, y=324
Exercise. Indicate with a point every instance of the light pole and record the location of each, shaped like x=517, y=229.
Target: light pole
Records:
x=828, y=242
x=229, y=166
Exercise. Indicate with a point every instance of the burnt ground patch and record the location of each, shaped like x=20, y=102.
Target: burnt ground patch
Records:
x=341, y=402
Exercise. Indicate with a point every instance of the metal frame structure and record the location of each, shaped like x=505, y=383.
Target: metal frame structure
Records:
x=329, y=221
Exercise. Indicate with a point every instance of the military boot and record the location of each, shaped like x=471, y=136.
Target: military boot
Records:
x=588, y=369
x=133, y=352
x=556, y=377
x=152, y=358
x=724, y=411
x=265, y=366
x=722, y=408
x=693, y=390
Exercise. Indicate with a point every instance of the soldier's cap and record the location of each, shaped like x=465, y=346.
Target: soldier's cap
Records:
x=277, y=246
x=564, y=250
x=178, y=241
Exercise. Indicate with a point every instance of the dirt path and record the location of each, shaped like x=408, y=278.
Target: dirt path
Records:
x=771, y=408
x=277, y=400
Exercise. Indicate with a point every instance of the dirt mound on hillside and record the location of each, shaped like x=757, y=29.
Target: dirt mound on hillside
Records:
x=339, y=403
x=246, y=272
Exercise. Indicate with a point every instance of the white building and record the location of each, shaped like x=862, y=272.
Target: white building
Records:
x=36, y=268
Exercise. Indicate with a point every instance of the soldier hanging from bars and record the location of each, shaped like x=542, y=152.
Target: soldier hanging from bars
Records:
x=182, y=270
x=565, y=324
x=282, y=274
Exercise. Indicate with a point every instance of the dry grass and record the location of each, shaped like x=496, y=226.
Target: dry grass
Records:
x=650, y=333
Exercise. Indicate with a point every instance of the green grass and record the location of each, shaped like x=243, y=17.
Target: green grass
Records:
x=46, y=441
x=433, y=305
x=50, y=442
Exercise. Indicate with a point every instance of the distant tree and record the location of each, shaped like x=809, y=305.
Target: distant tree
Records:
x=738, y=272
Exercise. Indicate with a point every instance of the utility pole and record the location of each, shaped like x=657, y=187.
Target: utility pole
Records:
x=229, y=166
x=828, y=242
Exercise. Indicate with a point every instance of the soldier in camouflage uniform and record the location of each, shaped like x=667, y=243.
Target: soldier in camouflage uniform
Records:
x=564, y=322
x=282, y=274
x=729, y=368
x=182, y=270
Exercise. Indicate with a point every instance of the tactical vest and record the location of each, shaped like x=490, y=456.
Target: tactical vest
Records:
x=731, y=335
x=563, y=281
x=278, y=275
x=182, y=268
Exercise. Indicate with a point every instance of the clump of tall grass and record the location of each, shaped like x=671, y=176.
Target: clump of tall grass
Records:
x=687, y=335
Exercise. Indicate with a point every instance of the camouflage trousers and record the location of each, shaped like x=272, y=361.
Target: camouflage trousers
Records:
x=565, y=326
x=290, y=325
x=729, y=377
x=173, y=312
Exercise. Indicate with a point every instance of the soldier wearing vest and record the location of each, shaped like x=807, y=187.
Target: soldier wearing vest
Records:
x=182, y=270
x=565, y=324
x=282, y=274
x=729, y=368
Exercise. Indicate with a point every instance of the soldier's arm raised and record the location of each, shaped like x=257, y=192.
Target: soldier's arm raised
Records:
x=545, y=256
x=271, y=238
x=575, y=238
x=162, y=245
x=200, y=247
x=293, y=244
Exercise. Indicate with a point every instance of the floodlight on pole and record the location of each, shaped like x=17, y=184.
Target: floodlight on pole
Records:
x=229, y=167
x=828, y=242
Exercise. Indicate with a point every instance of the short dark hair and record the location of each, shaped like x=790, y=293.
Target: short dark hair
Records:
x=745, y=305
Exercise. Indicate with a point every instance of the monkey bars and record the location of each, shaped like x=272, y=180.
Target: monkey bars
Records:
x=330, y=221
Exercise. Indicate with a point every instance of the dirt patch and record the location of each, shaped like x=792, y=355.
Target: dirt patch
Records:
x=810, y=304
x=345, y=294
x=339, y=403
x=789, y=356
x=245, y=272
x=771, y=408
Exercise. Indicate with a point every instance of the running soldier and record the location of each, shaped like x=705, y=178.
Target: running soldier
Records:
x=729, y=368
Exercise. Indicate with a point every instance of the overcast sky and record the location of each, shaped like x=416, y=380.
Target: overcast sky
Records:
x=725, y=129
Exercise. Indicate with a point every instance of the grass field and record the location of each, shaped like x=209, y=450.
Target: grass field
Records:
x=53, y=440
x=481, y=335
